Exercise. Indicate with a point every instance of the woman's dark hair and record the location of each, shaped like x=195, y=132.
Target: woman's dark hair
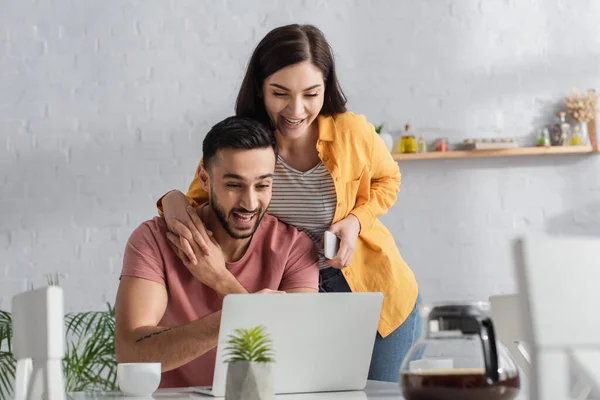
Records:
x=281, y=47
x=237, y=133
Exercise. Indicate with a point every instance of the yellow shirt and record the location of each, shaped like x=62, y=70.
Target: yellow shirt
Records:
x=366, y=180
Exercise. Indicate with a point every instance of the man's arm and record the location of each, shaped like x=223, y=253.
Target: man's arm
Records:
x=139, y=307
x=301, y=290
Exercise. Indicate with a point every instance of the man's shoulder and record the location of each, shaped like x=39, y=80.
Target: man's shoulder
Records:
x=152, y=230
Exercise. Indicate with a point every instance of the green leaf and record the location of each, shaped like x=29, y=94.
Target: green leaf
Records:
x=8, y=366
x=91, y=362
x=53, y=279
x=5, y=331
x=251, y=344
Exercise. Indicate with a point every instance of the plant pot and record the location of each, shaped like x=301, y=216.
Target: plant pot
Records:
x=249, y=381
x=388, y=140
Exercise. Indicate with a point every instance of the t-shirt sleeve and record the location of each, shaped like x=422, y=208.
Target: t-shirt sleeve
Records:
x=302, y=267
x=142, y=257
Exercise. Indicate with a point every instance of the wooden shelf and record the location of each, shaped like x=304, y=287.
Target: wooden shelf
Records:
x=520, y=151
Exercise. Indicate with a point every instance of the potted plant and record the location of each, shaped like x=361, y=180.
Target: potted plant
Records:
x=387, y=138
x=582, y=108
x=249, y=355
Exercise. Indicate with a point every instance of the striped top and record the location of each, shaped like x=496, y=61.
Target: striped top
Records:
x=306, y=200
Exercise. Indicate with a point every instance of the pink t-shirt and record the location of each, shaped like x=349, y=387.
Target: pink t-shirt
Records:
x=279, y=257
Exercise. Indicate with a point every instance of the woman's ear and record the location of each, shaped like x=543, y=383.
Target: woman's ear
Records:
x=203, y=177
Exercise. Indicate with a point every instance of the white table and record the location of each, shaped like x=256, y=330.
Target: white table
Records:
x=374, y=390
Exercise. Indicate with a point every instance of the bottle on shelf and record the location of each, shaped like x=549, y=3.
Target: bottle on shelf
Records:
x=408, y=140
x=421, y=145
x=561, y=132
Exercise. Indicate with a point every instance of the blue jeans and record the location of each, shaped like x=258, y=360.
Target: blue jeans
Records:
x=388, y=352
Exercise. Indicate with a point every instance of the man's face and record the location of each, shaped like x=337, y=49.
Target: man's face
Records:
x=239, y=187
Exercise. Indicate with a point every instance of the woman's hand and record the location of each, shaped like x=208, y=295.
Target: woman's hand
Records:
x=347, y=230
x=210, y=269
x=180, y=224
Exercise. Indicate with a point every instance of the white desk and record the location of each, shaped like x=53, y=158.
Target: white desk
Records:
x=374, y=390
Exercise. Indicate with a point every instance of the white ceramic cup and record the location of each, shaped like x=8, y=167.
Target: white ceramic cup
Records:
x=138, y=379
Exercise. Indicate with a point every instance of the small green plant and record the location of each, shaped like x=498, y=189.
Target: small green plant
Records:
x=379, y=128
x=8, y=364
x=250, y=345
x=91, y=362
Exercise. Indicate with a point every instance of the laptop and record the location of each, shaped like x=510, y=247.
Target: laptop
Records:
x=322, y=342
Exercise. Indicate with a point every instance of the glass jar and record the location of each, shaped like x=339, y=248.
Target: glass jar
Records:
x=579, y=134
x=441, y=144
x=561, y=132
x=409, y=144
x=458, y=357
x=421, y=145
x=544, y=138
x=398, y=146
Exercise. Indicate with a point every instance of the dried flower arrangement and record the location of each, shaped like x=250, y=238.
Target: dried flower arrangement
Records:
x=582, y=107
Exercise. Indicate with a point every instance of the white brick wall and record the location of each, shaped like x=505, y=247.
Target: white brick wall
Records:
x=103, y=107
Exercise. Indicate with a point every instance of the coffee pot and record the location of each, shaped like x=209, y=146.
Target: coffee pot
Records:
x=458, y=357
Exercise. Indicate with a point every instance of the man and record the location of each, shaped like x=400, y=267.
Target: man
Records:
x=168, y=311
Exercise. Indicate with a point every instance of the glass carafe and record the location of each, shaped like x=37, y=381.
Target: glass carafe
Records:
x=561, y=132
x=458, y=357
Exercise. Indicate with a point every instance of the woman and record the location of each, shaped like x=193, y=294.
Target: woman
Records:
x=333, y=173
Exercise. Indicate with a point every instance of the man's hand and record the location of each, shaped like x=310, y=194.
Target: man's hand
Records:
x=210, y=268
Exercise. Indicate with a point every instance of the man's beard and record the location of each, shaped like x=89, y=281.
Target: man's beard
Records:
x=220, y=213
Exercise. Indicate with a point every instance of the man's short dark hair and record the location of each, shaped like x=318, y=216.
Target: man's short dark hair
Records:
x=237, y=133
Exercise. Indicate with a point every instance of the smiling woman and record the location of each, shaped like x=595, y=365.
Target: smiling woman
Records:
x=292, y=109
x=333, y=173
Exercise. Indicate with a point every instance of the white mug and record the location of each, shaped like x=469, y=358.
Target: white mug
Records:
x=139, y=379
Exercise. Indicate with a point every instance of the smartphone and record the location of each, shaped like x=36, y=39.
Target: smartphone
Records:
x=331, y=245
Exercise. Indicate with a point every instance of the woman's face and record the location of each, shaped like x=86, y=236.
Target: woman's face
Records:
x=294, y=97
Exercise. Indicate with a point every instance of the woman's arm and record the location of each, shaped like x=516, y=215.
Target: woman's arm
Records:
x=195, y=194
x=173, y=206
x=374, y=197
x=385, y=183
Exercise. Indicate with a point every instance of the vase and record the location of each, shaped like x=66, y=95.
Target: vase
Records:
x=388, y=140
x=249, y=381
x=583, y=131
x=592, y=134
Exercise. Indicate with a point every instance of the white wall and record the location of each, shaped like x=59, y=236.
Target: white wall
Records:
x=104, y=105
